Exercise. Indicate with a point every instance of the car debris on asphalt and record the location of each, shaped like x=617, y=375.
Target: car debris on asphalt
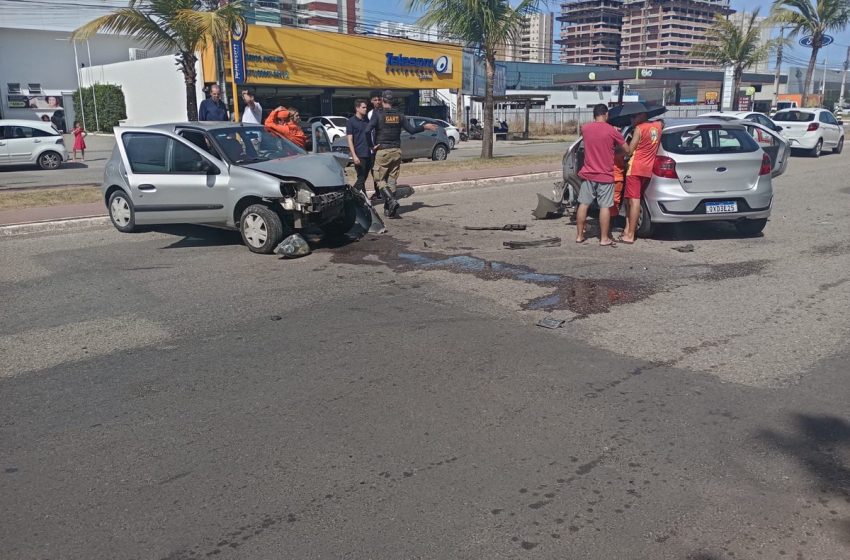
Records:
x=293, y=247
x=506, y=227
x=689, y=248
x=551, y=322
x=547, y=242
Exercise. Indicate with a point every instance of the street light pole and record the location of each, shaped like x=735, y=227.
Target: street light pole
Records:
x=94, y=95
x=823, y=83
x=843, y=81
x=778, y=74
x=79, y=87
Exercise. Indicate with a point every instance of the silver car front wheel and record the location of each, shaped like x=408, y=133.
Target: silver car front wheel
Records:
x=261, y=228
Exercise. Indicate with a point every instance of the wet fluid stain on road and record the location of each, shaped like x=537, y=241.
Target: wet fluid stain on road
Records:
x=579, y=295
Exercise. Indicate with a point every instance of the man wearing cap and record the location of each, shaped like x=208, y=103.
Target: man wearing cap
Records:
x=388, y=125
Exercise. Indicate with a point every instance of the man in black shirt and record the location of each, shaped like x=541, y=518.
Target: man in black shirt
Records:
x=213, y=108
x=388, y=125
x=359, y=143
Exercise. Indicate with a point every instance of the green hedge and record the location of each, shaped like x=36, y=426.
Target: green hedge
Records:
x=110, y=107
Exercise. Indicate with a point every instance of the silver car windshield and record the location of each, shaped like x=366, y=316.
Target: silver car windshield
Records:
x=251, y=144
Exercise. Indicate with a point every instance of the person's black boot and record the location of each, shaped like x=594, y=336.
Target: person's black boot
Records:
x=390, y=203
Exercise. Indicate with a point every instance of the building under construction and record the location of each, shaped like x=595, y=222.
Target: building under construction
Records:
x=637, y=33
x=590, y=32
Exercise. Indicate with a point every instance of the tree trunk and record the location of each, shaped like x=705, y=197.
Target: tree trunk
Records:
x=810, y=71
x=487, y=135
x=187, y=65
x=736, y=88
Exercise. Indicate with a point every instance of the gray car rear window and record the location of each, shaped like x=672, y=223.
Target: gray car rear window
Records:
x=708, y=140
x=793, y=116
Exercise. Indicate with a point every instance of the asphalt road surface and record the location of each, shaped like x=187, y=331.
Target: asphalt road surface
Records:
x=169, y=395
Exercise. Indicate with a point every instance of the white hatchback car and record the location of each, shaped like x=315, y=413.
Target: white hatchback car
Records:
x=813, y=130
x=753, y=116
x=335, y=126
x=24, y=142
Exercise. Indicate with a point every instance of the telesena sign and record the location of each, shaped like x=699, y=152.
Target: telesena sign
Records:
x=440, y=65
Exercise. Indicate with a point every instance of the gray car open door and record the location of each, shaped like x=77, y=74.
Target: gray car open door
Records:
x=772, y=143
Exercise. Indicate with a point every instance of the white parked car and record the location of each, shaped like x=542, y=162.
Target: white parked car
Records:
x=24, y=142
x=452, y=132
x=813, y=130
x=760, y=118
x=335, y=126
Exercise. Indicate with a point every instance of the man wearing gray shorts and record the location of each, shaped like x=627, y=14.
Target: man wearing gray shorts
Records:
x=601, y=141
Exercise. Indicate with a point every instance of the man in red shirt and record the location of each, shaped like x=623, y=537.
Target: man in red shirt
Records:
x=601, y=141
x=643, y=147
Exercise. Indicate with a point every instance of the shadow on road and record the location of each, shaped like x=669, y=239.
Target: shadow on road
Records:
x=704, y=231
x=414, y=206
x=197, y=236
x=820, y=444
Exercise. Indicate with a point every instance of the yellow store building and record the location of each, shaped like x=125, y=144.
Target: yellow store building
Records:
x=322, y=73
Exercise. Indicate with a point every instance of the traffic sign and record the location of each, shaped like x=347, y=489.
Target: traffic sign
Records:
x=807, y=41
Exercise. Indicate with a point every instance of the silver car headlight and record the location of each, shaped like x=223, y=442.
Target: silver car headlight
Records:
x=290, y=189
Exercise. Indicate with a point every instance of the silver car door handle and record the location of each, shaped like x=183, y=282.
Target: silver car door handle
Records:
x=147, y=188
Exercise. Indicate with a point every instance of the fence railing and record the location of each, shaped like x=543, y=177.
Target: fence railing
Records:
x=567, y=121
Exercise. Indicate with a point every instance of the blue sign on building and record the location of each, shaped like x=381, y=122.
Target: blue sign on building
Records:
x=237, y=51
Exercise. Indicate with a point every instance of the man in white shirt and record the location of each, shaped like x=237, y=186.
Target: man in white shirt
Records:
x=253, y=113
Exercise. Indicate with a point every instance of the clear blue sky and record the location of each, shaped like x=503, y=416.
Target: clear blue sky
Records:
x=395, y=10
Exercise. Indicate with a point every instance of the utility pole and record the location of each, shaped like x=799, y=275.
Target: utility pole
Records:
x=843, y=81
x=778, y=67
x=823, y=83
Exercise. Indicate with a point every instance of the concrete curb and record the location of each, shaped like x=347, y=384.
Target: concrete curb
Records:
x=65, y=224
x=79, y=223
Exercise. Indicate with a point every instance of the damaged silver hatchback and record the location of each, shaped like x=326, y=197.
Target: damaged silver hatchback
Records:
x=228, y=175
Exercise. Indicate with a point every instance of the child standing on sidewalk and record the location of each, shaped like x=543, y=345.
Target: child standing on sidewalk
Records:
x=79, y=140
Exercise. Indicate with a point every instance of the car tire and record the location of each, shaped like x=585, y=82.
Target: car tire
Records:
x=406, y=160
x=750, y=227
x=122, y=213
x=840, y=147
x=261, y=229
x=50, y=160
x=451, y=143
x=645, y=227
x=344, y=223
x=817, y=149
x=440, y=153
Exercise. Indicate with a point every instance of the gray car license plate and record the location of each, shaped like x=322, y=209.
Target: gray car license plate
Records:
x=721, y=207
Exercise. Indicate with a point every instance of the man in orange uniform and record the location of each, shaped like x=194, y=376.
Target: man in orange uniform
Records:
x=284, y=122
x=643, y=147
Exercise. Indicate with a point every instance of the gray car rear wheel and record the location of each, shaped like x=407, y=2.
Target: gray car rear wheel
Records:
x=261, y=229
x=645, y=227
x=49, y=160
x=440, y=153
x=122, y=213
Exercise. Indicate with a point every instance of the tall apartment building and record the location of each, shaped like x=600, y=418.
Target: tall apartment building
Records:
x=741, y=19
x=590, y=32
x=263, y=12
x=341, y=16
x=661, y=33
x=534, y=42
x=651, y=33
x=413, y=32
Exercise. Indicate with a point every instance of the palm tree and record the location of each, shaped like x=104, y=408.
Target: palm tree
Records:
x=814, y=18
x=737, y=46
x=180, y=26
x=483, y=25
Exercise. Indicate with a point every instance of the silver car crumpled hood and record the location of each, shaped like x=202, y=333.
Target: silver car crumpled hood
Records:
x=320, y=170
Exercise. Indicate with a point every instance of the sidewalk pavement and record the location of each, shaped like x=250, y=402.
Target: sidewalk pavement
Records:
x=436, y=181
